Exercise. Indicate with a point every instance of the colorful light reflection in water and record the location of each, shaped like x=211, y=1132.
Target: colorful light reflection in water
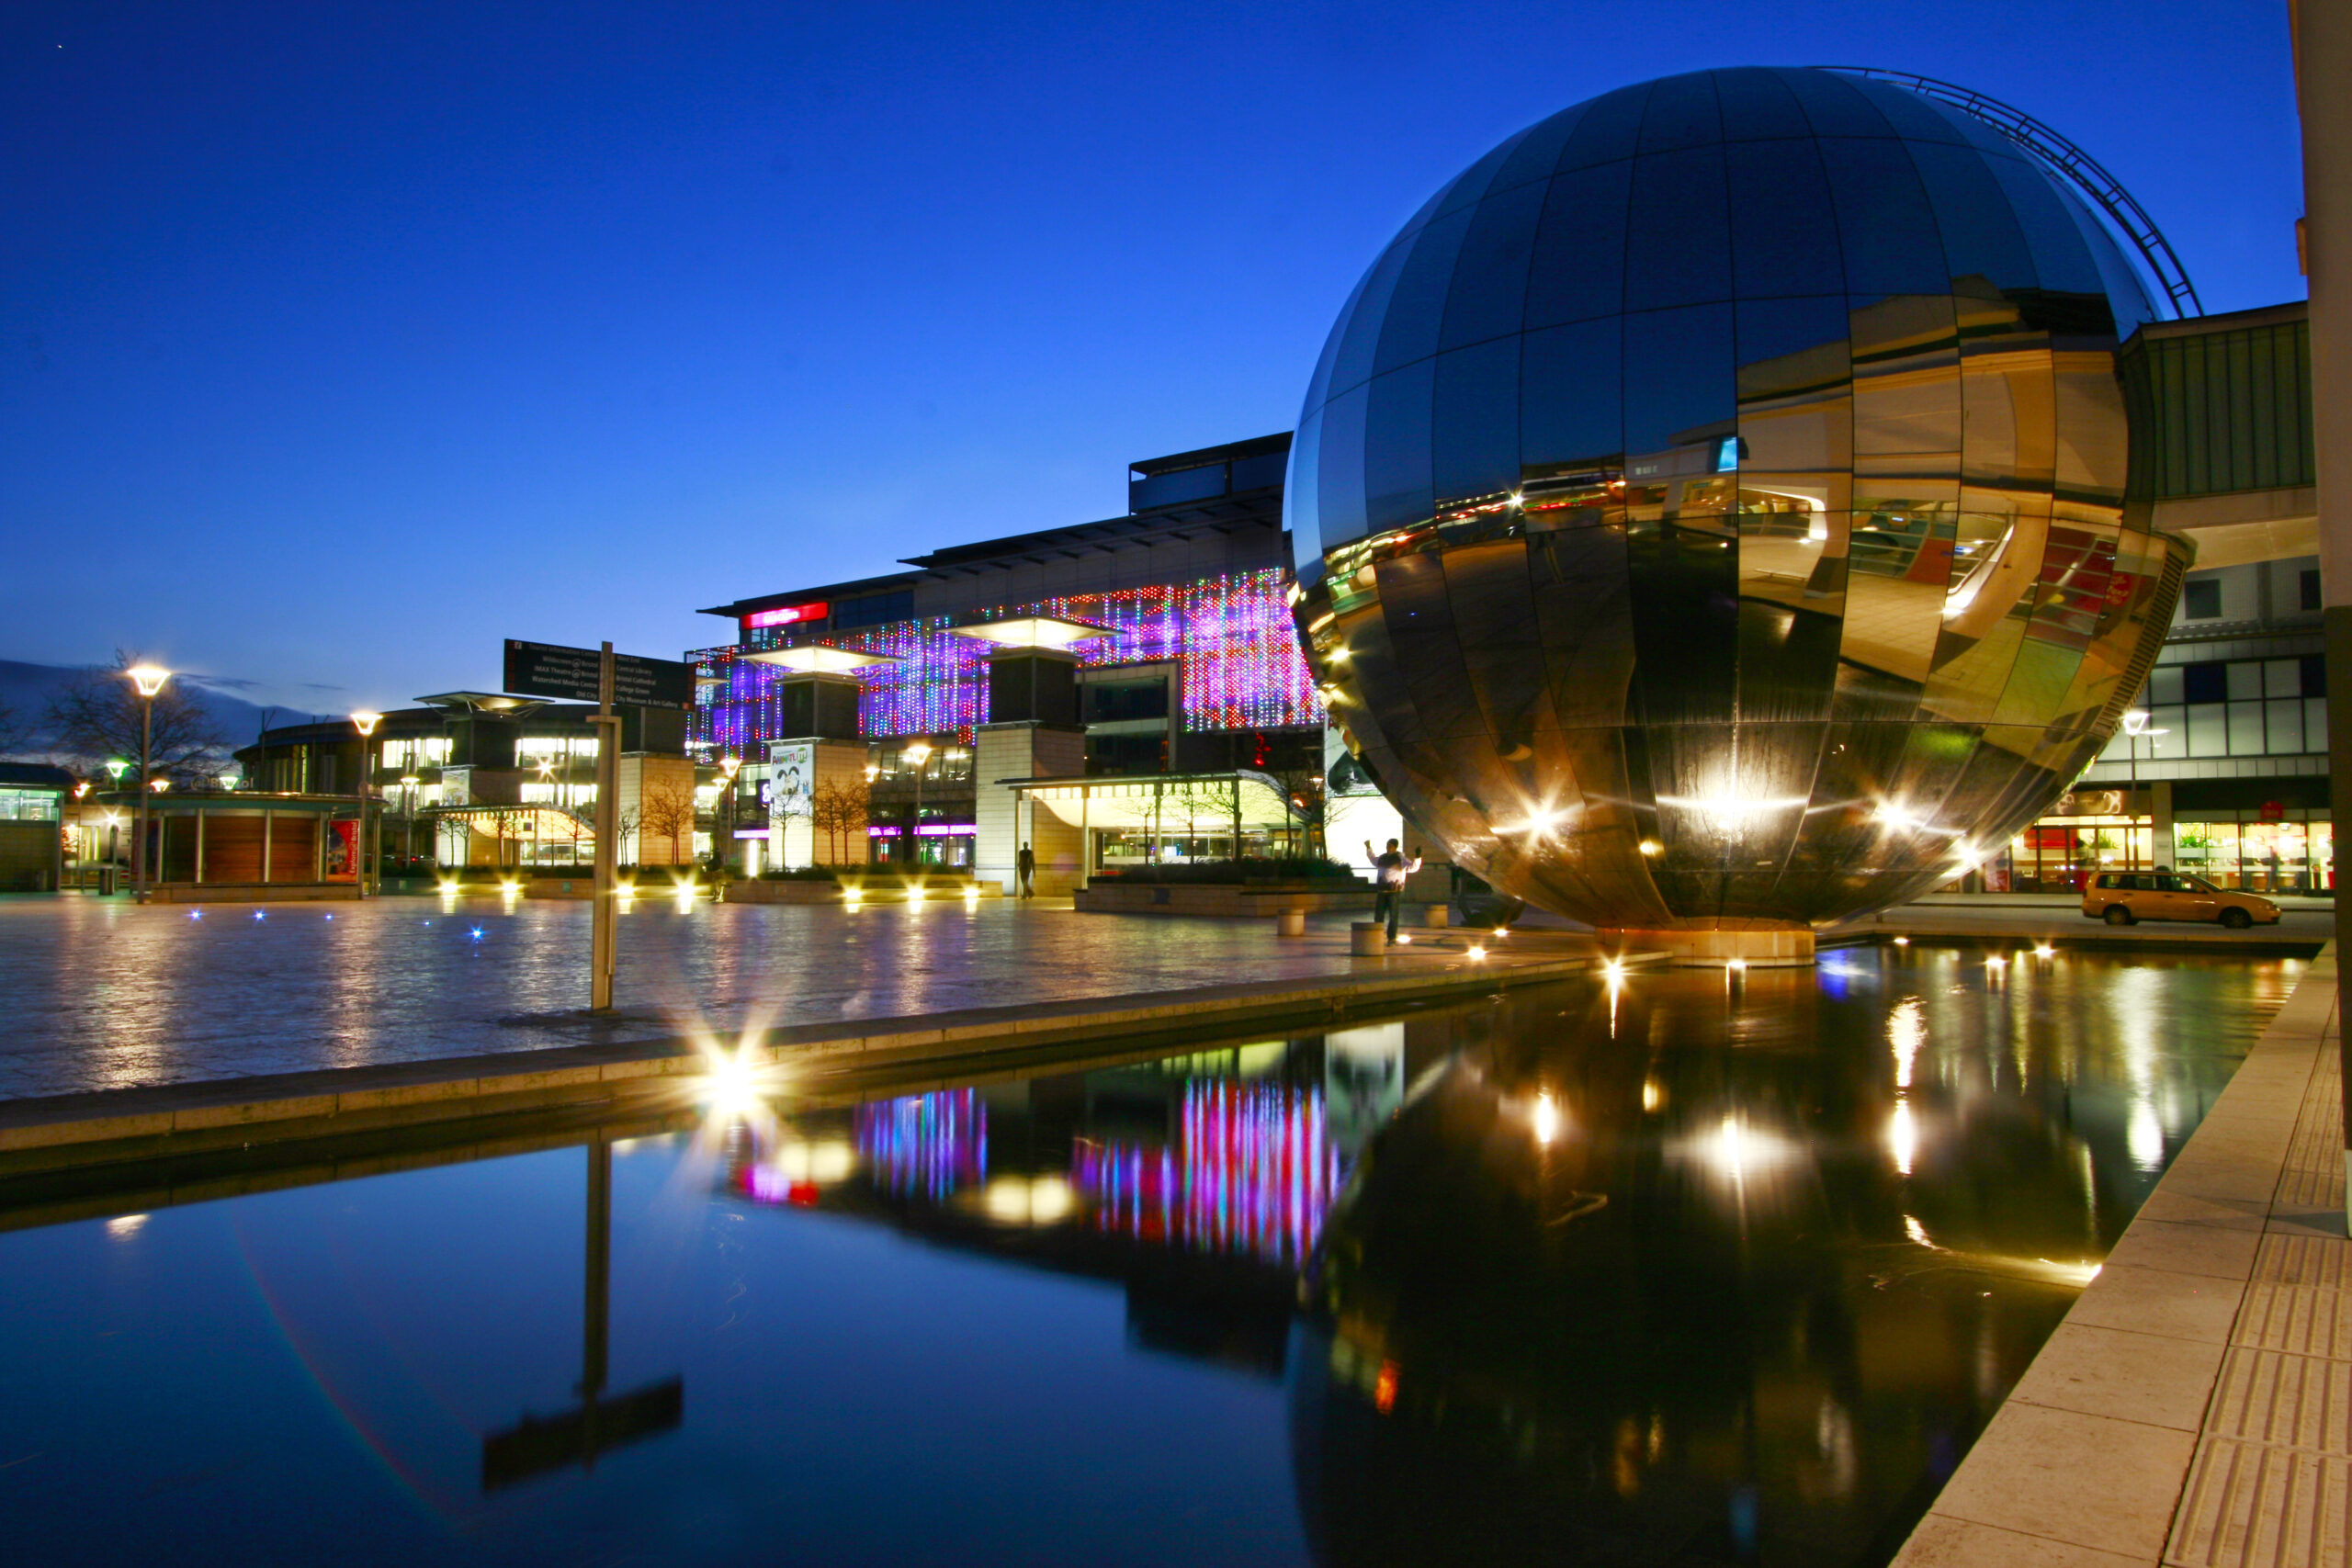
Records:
x=1253, y=1170
x=925, y=1146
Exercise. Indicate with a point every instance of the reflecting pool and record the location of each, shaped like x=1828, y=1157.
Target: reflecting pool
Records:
x=1680, y=1271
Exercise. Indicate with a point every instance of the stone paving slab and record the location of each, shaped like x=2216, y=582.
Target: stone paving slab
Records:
x=2195, y=1408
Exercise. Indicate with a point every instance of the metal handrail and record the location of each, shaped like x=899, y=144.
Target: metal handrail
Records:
x=2062, y=157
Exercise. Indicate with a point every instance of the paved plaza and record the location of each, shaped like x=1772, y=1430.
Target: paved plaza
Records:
x=105, y=994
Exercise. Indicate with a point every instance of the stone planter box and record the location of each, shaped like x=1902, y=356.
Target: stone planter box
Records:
x=1227, y=899
x=759, y=892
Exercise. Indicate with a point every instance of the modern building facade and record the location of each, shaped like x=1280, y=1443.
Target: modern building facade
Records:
x=483, y=778
x=1145, y=664
x=2222, y=767
x=33, y=797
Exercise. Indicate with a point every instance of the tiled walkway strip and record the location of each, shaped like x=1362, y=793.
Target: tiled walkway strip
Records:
x=2195, y=1408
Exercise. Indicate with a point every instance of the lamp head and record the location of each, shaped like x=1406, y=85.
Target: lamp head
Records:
x=2135, y=721
x=730, y=766
x=365, y=722
x=920, y=753
x=159, y=785
x=117, y=767
x=148, y=678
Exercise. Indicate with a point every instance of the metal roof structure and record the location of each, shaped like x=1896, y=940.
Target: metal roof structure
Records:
x=2070, y=162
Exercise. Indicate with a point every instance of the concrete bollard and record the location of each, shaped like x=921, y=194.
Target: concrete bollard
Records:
x=1441, y=916
x=1290, y=923
x=1367, y=939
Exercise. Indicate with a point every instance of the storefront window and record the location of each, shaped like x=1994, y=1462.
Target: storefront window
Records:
x=2295, y=854
x=2054, y=854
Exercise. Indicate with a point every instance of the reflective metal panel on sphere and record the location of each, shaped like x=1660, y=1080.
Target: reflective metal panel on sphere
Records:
x=1711, y=504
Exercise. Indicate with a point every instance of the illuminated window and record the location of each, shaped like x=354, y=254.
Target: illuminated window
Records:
x=27, y=806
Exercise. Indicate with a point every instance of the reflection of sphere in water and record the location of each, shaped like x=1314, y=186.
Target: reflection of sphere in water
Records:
x=1459, y=1375
x=1714, y=502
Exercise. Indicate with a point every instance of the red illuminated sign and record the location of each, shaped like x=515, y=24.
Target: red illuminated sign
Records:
x=785, y=615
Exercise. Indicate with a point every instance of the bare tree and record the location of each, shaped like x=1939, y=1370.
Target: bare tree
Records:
x=667, y=810
x=12, y=730
x=574, y=829
x=97, y=715
x=1304, y=794
x=839, y=813
x=1192, y=800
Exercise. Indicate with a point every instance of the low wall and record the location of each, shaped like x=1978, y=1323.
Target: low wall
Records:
x=782, y=892
x=247, y=892
x=1229, y=900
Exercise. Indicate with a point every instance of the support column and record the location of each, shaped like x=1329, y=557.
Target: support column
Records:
x=1025, y=749
x=2159, y=824
x=2323, y=65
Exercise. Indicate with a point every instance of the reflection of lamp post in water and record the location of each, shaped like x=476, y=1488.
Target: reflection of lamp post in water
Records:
x=578, y=1436
x=920, y=754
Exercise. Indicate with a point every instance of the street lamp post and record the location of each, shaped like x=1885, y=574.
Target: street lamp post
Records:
x=730, y=766
x=149, y=679
x=920, y=753
x=364, y=722
x=2135, y=724
x=408, y=823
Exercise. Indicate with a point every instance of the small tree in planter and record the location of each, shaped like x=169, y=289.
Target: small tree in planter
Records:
x=667, y=812
x=839, y=814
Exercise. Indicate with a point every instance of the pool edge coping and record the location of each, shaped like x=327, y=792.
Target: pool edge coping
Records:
x=2062, y=1475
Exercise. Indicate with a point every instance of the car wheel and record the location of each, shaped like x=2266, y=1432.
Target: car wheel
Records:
x=2117, y=914
x=2236, y=919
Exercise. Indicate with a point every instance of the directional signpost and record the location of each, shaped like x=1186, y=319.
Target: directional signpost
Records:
x=600, y=676
x=550, y=669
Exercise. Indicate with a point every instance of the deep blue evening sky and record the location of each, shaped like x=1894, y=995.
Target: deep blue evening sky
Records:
x=341, y=340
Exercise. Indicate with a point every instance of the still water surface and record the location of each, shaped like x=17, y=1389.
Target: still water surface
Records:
x=1665, y=1274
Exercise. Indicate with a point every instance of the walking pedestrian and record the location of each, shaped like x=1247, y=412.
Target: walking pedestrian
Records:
x=1389, y=870
x=1024, y=868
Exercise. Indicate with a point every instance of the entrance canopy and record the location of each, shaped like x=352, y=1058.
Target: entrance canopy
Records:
x=1165, y=802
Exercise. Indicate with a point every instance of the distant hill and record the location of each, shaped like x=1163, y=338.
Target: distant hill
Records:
x=27, y=688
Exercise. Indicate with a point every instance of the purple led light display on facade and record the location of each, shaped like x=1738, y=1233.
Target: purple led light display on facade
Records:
x=1231, y=637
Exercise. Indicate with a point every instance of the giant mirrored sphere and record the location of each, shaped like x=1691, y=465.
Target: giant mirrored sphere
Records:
x=1712, y=507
